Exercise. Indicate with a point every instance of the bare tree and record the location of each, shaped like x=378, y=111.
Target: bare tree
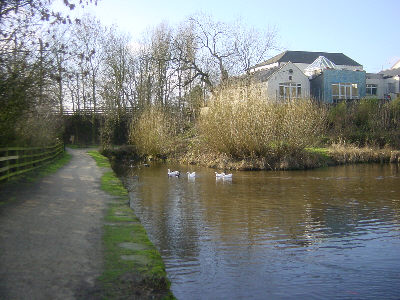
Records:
x=89, y=35
x=252, y=46
x=117, y=65
x=223, y=49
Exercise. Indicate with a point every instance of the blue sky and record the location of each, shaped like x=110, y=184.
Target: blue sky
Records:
x=365, y=30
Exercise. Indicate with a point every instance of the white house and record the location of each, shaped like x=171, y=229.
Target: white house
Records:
x=385, y=84
x=284, y=82
x=381, y=86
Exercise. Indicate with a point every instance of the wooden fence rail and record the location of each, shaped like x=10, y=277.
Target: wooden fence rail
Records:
x=18, y=160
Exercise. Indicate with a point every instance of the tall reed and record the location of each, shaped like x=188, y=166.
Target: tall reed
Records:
x=152, y=133
x=245, y=124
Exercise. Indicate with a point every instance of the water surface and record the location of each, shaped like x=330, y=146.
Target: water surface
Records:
x=317, y=234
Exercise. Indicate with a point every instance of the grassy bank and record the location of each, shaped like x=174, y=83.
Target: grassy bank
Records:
x=133, y=267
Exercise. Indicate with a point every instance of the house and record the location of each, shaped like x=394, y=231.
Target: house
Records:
x=333, y=85
x=385, y=84
x=331, y=77
x=284, y=82
x=381, y=86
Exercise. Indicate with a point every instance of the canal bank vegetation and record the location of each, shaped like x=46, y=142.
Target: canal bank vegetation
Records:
x=133, y=267
x=253, y=133
x=250, y=133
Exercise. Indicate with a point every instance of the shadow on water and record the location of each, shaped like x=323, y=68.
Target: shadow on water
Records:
x=325, y=233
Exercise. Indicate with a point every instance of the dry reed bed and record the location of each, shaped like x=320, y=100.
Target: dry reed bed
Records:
x=241, y=130
x=348, y=154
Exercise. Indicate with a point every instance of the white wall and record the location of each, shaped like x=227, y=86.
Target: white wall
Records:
x=271, y=87
x=381, y=89
x=382, y=85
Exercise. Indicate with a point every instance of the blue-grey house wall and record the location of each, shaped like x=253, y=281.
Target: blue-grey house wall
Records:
x=321, y=86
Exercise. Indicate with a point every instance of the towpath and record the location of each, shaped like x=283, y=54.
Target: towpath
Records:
x=50, y=234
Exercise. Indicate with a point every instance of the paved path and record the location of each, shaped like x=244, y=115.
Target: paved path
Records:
x=50, y=236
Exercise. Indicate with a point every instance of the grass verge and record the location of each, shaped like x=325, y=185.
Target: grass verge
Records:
x=133, y=266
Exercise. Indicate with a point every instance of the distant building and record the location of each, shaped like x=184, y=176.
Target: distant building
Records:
x=331, y=77
x=285, y=82
x=385, y=84
x=382, y=86
x=332, y=85
x=396, y=65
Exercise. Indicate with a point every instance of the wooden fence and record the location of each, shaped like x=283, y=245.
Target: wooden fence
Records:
x=18, y=160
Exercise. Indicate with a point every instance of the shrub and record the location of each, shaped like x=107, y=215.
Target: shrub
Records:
x=153, y=132
x=252, y=126
x=367, y=122
x=39, y=127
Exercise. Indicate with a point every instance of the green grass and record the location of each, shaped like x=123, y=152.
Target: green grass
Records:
x=145, y=273
x=101, y=160
x=50, y=168
x=324, y=152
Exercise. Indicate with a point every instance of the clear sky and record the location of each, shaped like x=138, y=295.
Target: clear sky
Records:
x=365, y=30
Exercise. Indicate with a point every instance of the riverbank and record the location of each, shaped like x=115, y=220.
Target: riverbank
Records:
x=309, y=158
x=133, y=266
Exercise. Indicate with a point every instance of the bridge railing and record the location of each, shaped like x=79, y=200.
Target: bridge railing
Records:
x=18, y=160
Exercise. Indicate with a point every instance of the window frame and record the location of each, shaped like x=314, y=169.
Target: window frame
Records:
x=289, y=90
x=370, y=88
x=345, y=91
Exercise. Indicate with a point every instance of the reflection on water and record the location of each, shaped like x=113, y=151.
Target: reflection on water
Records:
x=327, y=233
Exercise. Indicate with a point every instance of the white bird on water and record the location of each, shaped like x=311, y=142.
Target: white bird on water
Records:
x=191, y=175
x=219, y=175
x=223, y=175
x=173, y=173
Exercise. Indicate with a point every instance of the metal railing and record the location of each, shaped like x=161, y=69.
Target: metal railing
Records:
x=18, y=160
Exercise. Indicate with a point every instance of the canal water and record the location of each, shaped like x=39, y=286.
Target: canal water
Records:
x=331, y=233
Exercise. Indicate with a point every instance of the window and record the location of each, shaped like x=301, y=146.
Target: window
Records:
x=343, y=91
x=391, y=88
x=372, y=89
x=289, y=90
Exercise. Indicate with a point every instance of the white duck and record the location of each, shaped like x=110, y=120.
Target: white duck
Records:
x=226, y=176
x=191, y=175
x=219, y=175
x=173, y=173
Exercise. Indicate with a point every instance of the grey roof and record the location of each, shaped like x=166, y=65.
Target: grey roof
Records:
x=390, y=72
x=263, y=75
x=374, y=76
x=309, y=57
